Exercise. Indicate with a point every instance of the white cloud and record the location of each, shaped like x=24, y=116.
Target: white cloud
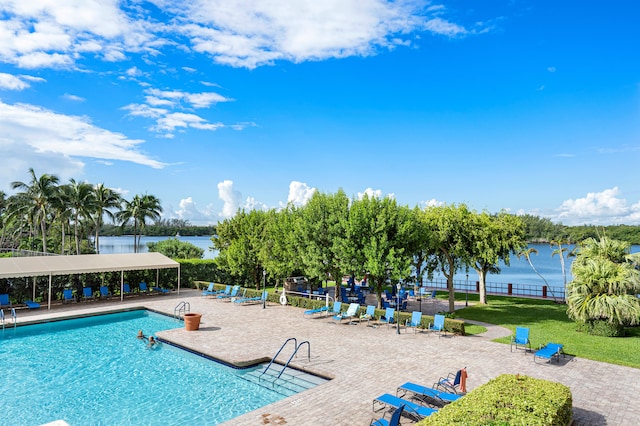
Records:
x=74, y=98
x=30, y=134
x=432, y=203
x=299, y=193
x=250, y=33
x=231, y=198
x=13, y=82
x=598, y=208
x=189, y=210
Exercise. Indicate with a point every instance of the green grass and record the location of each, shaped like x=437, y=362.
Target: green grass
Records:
x=548, y=322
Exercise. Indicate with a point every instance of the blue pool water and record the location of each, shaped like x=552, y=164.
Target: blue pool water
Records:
x=94, y=371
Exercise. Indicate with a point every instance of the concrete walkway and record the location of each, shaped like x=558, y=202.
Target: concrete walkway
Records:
x=365, y=362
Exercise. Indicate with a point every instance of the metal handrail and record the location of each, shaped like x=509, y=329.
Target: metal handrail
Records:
x=294, y=353
x=295, y=342
x=183, y=306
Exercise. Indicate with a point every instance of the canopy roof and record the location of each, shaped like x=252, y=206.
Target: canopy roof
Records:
x=13, y=267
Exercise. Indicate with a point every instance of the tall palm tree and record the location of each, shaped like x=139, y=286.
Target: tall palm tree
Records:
x=139, y=209
x=105, y=199
x=81, y=202
x=40, y=191
x=527, y=254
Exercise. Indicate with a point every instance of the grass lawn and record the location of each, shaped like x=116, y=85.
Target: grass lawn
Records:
x=548, y=322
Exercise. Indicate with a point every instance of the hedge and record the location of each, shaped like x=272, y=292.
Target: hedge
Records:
x=509, y=400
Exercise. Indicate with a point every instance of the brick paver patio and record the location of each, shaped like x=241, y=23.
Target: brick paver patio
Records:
x=364, y=362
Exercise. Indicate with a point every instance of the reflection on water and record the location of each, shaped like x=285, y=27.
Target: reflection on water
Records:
x=124, y=244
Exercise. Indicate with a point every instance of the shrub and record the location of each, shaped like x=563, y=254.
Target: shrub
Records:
x=509, y=399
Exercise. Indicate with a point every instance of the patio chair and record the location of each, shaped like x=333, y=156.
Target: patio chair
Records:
x=369, y=314
x=4, y=301
x=414, y=322
x=521, y=338
x=67, y=296
x=438, y=325
x=233, y=293
x=31, y=304
x=104, y=292
x=87, y=293
x=216, y=293
x=317, y=310
x=161, y=290
x=549, y=352
x=209, y=291
x=387, y=317
x=126, y=288
x=411, y=409
x=453, y=383
x=337, y=306
x=394, y=420
x=254, y=299
x=143, y=287
x=352, y=311
x=426, y=395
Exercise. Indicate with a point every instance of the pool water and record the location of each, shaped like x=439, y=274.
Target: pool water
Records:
x=94, y=371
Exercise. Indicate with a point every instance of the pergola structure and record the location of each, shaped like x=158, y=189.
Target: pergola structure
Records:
x=37, y=266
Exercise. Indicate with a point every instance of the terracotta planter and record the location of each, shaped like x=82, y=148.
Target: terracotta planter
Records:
x=192, y=321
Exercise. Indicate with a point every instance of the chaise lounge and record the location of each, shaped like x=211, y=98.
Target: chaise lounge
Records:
x=549, y=352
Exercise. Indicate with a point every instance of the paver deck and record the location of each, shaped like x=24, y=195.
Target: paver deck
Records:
x=364, y=362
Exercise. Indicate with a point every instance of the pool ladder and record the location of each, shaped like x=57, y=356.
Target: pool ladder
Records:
x=13, y=314
x=297, y=347
x=181, y=309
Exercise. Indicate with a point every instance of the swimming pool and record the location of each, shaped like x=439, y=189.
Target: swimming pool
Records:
x=94, y=371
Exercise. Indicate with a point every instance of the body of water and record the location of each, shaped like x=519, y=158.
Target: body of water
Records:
x=94, y=371
x=124, y=244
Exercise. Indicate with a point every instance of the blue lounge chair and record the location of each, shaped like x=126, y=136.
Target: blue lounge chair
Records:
x=67, y=296
x=4, y=301
x=415, y=321
x=337, y=306
x=234, y=293
x=453, y=383
x=317, y=310
x=438, y=325
x=143, y=287
x=87, y=293
x=388, y=317
x=255, y=299
x=369, y=314
x=352, y=311
x=126, y=288
x=210, y=291
x=31, y=304
x=549, y=352
x=394, y=420
x=426, y=395
x=411, y=409
x=161, y=290
x=104, y=292
x=521, y=338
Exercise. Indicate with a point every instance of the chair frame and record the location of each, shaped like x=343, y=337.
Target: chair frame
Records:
x=521, y=338
x=438, y=325
x=549, y=352
x=414, y=322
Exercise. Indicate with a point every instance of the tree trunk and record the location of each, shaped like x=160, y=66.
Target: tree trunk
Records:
x=483, y=286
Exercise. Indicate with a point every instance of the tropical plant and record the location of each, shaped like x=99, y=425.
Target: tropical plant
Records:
x=81, y=201
x=138, y=210
x=105, y=200
x=604, y=287
x=39, y=193
x=176, y=249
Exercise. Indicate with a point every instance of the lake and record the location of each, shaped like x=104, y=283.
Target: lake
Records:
x=124, y=244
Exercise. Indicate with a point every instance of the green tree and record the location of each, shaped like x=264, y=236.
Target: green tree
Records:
x=278, y=252
x=81, y=201
x=319, y=231
x=105, y=200
x=604, y=287
x=379, y=240
x=39, y=193
x=494, y=239
x=239, y=240
x=176, y=249
x=450, y=226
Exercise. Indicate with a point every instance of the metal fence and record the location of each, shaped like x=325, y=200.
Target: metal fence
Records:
x=503, y=289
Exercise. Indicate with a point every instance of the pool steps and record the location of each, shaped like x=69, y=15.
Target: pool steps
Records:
x=284, y=380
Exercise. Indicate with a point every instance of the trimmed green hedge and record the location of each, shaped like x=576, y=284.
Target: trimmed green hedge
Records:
x=509, y=400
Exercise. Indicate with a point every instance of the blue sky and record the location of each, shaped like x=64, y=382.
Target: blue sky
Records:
x=529, y=106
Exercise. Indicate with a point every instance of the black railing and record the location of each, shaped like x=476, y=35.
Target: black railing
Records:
x=504, y=289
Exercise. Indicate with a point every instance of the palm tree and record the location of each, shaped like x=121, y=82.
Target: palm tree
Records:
x=605, y=284
x=39, y=192
x=81, y=202
x=139, y=209
x=105, y=199
x=527, y=254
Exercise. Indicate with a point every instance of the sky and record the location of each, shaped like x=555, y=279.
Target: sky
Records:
x=532, y=107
